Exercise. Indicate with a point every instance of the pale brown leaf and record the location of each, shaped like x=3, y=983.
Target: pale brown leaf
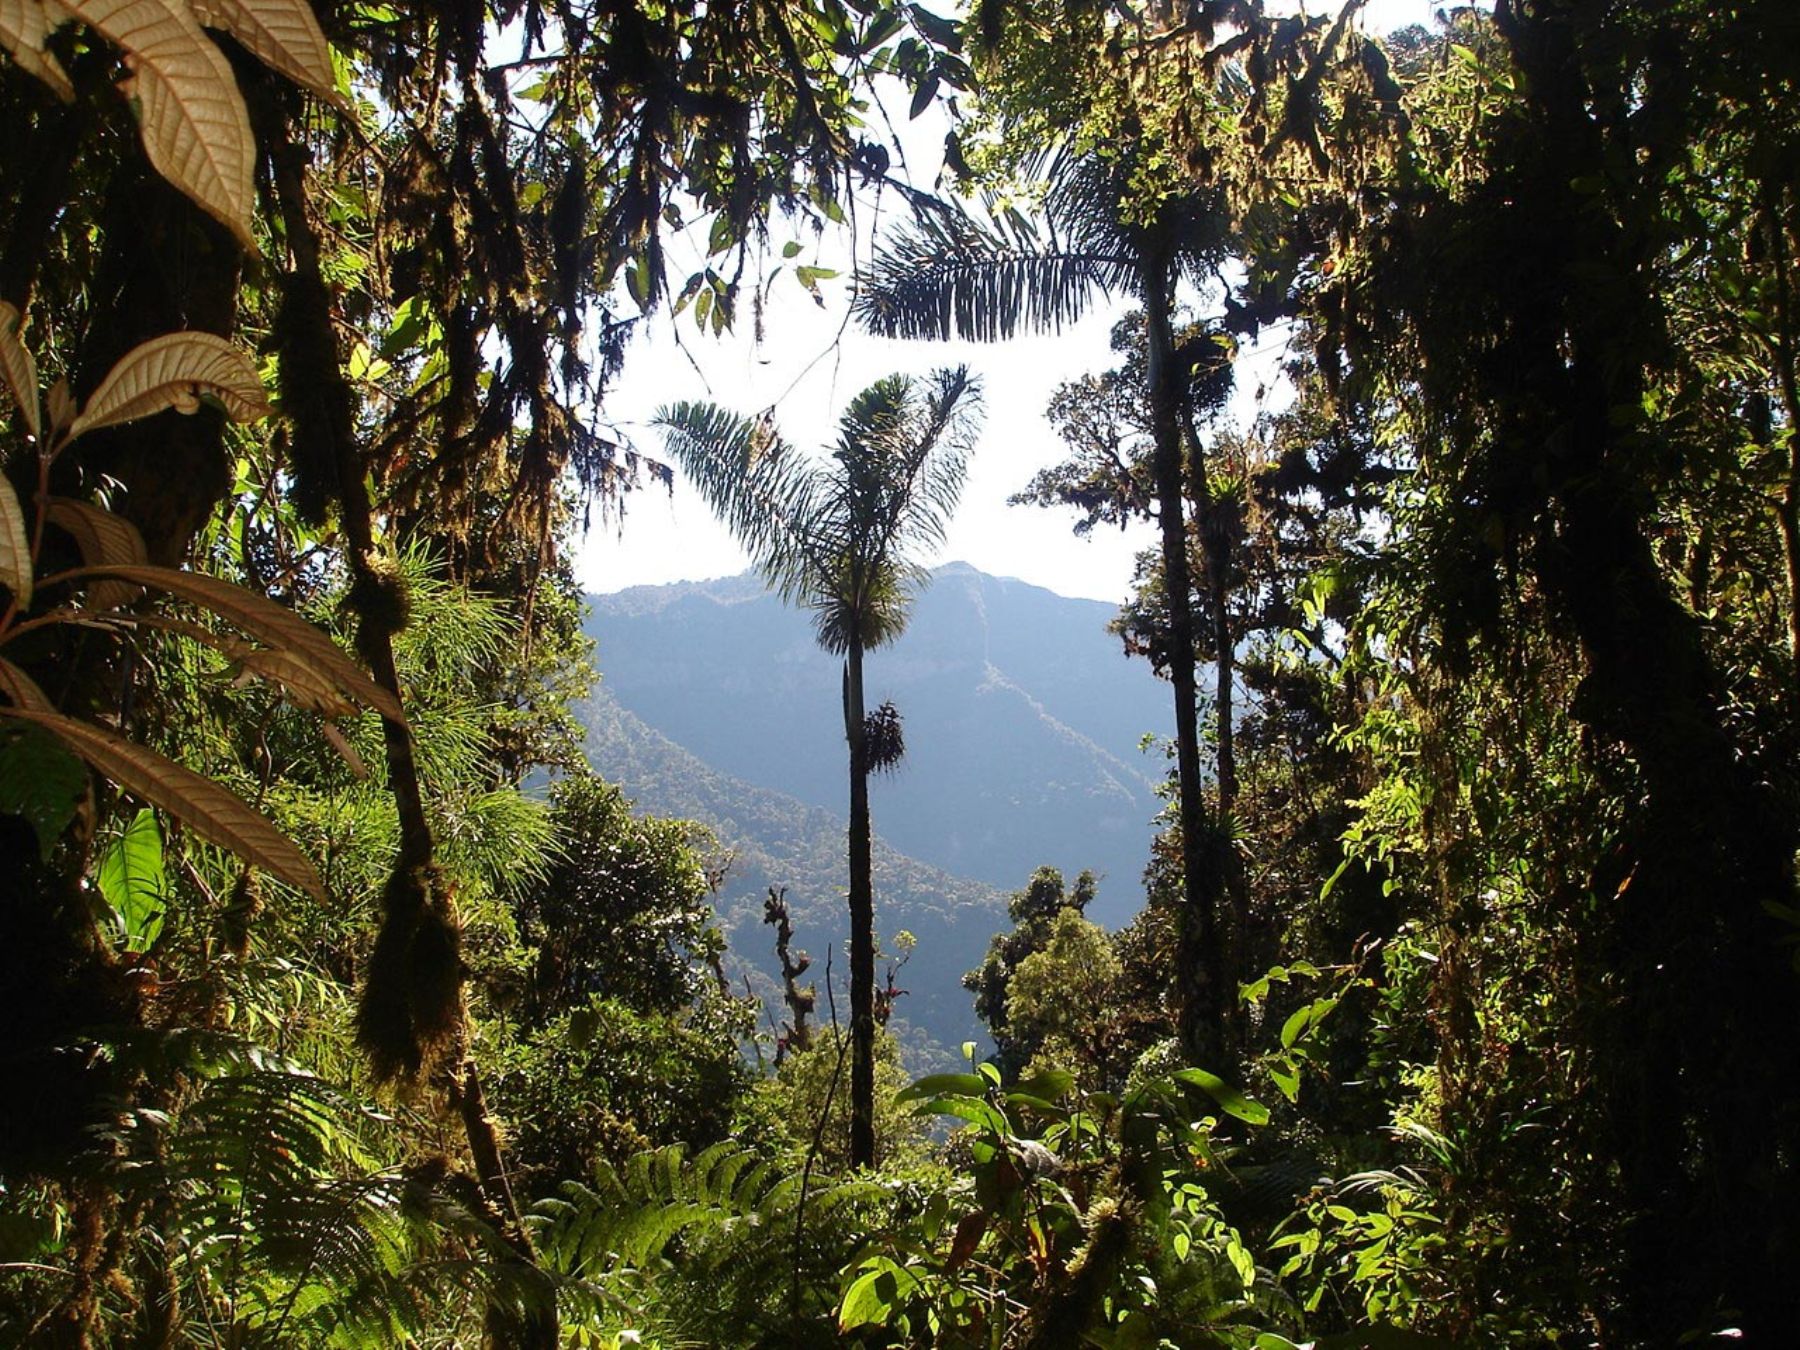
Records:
x=195, y=129
x=22, y=689
x=173, y=371
x=209, y=810
x=304, y=684
x=102, y=538
x=265, y=620
x=282, y=34
x=15, y=546
x=16, y=365
x=346, y=751
x=24, y=26
x=61, y=406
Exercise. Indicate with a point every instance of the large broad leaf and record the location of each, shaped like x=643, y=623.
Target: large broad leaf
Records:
x=22, y=689
x=16, y=365
x=15, y=546
x=263, y=618
x=195, y=129
x=216, y=815
x=41, y=781
x=1230, y=1100
x=133, y=882
x=282, y=34
x=102, y=538
x=24, y=27
x=175, y=371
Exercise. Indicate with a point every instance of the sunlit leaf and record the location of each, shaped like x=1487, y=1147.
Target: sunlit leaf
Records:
x=282, y=34
x=264, y=619
x=15, y=546
x=1230, y=1100
x=302, y=682
x=133, y=882
x=195, y=129
x=103, y=538
x=24, y=27
x=16, y=365
x=176, y=371
x=210, y=811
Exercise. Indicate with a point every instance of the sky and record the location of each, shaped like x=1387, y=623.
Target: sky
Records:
x=813, y=360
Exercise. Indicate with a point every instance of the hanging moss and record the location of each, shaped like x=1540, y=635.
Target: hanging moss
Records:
x=411, y=1006
x=246, y=900
x=380, y=598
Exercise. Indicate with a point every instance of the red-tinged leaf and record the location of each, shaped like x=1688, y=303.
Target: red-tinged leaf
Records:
x=969, y=1230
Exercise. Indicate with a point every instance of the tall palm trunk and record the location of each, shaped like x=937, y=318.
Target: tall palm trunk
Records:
x=1199, y=975
x=862, y=923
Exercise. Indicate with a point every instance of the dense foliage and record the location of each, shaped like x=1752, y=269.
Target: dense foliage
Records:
x=1462, y=1005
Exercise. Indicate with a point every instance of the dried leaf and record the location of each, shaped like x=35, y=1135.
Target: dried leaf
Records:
x=195, y=129
x=24, y=27
x=282, y=34
x=22, y=689
x=173, y=371
x=15, y=546
x=102, y=538
x=265, y=620
x=16, y=365
x=207, y=809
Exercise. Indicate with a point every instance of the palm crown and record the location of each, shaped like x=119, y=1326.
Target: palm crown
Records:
x=839, y=535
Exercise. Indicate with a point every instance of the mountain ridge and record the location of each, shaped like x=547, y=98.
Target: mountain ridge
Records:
x=1022, y=718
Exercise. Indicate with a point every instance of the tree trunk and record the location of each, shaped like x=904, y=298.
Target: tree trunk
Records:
x=1694, y=998
x=862, y=924
x=1199, y=977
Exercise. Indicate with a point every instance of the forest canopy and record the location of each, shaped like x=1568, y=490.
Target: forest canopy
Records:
x=345, y=1005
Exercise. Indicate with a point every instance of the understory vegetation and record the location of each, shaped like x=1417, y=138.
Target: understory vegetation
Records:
x=343, y=1005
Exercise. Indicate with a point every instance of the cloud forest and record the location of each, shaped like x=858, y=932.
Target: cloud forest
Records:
x=1453, y=995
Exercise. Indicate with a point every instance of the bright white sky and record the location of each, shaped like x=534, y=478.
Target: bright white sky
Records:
x=811, y=363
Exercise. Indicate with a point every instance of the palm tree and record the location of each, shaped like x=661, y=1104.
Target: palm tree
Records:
x=839, y=537
x=949, y=276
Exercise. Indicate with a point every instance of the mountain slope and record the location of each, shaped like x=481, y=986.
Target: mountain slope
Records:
x=1022, y=718
x=773, y=839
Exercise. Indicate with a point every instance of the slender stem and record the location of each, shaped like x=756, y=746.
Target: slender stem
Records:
x=1198, y=954
x=862, y=923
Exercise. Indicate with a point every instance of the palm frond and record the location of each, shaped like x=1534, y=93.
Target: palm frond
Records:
x=947, y=275
x=765, y=493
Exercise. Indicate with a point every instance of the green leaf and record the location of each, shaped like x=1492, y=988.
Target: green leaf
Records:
x=937, y=1084
x=945, y=33
x=133, y=883
x=923, y=95
x=869, y=1301
x=41, y=781
x=1050, y=1084
x=1230, y=1100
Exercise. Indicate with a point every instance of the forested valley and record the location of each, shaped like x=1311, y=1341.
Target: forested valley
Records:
x=341, y=1004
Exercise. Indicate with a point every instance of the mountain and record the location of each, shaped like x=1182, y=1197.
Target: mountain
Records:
x=774, y=839
x=1022, y=719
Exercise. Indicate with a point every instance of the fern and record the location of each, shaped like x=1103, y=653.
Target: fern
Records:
x=693, y=1236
